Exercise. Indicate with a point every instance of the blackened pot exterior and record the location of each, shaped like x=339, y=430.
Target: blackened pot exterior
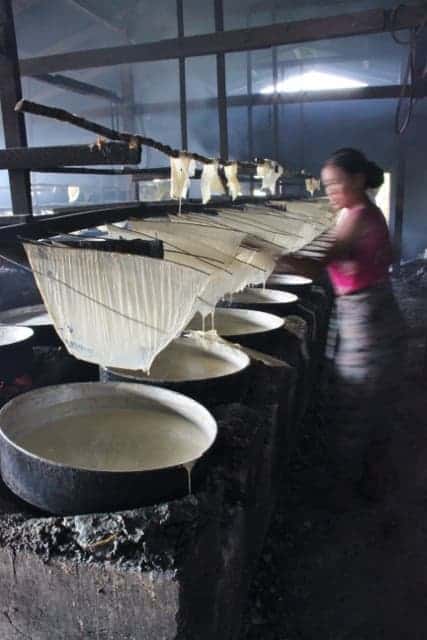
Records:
x=16, y=357
x=63, y=490
x=278, y=309
x=210, y=392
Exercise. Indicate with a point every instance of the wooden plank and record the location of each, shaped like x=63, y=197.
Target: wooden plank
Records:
x=13, y=123
x=340, y=26
x=84, y=88
x=44, y=157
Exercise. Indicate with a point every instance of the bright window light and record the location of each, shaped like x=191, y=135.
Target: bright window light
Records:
x=383, y=196
x=314, y=81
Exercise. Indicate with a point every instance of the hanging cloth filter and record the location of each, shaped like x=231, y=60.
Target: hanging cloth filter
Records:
x=116, y=310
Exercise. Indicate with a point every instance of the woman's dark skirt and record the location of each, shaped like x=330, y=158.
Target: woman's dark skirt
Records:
x=366, y=352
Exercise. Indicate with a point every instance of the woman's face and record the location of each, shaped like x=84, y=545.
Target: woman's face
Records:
x=343, y=189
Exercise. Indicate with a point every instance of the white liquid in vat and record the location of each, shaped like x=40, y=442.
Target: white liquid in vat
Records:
x=264, y=296
x=184, y=360
x=288, y=279
x=235, y=322
x=12, y=335
x=27, y=316
x=119, y=440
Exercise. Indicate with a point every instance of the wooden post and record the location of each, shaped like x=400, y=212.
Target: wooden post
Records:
x=128, y=97
x=182, y=79
x=13, y=123
x=222, y=88
x=250, y=113
x=398, y=197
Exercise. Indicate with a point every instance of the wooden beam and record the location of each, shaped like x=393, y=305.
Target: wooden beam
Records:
x=34, y=158
x=77, y=86
x=362, y=22
x=13, y=123
x=99, y=15
x=383, y=92
x=53, y=225
x=84, y=218
x=125, y=171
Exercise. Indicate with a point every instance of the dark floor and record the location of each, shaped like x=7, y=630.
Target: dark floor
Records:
x=362, y=574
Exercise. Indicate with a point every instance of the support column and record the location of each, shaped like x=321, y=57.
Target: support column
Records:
x=128, y=96
x=398, y=198
x=13, y=123
x=222, y=88
x=250, y=114
x=182, y=79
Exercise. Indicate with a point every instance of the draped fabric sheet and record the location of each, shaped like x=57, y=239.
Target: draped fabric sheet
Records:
x=189, y=252
x=257, y=233
x=210, y=182
x=270, y=172
x=216, y=240
x=117, y=310
x=182, y=169
x=248, y=267
x=312, y=185
x=230, y=270
x=233, y=183
x=318, y=211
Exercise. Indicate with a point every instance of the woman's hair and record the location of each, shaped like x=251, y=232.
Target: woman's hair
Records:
x=353, y=161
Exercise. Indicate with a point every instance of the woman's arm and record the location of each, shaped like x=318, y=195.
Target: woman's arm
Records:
x=346, y=235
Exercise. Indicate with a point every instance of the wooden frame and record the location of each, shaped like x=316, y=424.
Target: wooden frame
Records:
x=340, y=26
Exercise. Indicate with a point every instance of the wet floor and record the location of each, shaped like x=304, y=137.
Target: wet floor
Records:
x=360, y=574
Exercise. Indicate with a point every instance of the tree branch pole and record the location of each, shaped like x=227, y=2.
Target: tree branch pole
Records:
x=26, y=106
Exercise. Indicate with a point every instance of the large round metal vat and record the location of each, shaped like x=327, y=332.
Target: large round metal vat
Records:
x=273, y=301
x=254, y=329
x=37, y=318
x=15, y=351
x=211, y=372
x=290, y=282
x=90, y=447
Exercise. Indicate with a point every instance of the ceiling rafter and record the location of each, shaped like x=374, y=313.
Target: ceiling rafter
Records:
x=114, y=23
x=363, y=22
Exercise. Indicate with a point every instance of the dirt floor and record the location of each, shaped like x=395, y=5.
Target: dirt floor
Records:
x=362, y=574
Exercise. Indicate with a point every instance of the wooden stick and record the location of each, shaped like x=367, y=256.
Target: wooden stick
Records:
x=37, y=109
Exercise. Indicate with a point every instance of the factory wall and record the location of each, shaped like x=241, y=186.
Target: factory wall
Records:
x=310, y=132
x=307, y=132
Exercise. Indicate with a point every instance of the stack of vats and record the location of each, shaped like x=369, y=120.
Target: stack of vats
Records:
x=192, y=554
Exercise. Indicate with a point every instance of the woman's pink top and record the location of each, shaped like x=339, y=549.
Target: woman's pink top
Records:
x=370, y=257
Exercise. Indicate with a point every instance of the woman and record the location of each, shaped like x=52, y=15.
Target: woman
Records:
x=369, y=334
